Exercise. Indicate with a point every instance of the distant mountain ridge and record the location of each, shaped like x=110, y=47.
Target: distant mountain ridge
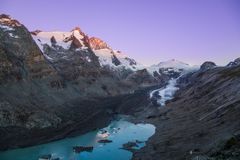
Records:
x=172, y=66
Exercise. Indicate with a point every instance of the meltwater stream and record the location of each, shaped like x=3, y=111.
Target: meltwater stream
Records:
x=120, y=132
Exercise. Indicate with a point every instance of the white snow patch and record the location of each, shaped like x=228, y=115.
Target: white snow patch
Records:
x=60, y=37
x=14, y=36
x=45, y=38
x=39, y=42
x=106, y=55
x=78, y=49
x=88, y=59
x=6, y=28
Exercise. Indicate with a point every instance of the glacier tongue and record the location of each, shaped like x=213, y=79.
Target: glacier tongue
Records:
x=166, y=93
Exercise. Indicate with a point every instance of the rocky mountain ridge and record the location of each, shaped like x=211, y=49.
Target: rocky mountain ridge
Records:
x=76, y=40
x=201, y=120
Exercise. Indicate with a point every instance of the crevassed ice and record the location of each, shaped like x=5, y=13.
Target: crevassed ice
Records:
x=167, y=92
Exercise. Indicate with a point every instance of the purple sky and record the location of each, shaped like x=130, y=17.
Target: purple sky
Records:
x=149, y=31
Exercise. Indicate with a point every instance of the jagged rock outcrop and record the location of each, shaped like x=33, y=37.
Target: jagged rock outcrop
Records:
x=115, y=60
x=8, y=21
x=96, y=44
x=78, y=29
x=77, y=41
x=132, y=61
x=53, y=41
x=236, y=62
x=20, y=57
x=25, y=79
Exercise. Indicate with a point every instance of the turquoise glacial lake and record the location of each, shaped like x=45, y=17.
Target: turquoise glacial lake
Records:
x=119, y=131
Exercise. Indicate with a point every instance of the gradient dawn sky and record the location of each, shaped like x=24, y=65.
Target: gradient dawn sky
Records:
x=149, y=31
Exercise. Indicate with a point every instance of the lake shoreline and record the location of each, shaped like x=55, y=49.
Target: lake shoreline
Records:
x=124, y=104
x=119, y=132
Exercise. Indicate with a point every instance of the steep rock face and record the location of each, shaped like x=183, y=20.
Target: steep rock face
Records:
x=24, y=75
x=141, y=77
x=72, y=63
x=98, y=44
x=202, y=116
x=53, y=41
x=20, y=57
x=115, y=60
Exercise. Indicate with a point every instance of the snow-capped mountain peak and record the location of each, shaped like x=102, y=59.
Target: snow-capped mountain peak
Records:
x=170, y=66
x=79, y=41
x=9, y=25
x=173, y=63
x=75, y=38
x=77, y=32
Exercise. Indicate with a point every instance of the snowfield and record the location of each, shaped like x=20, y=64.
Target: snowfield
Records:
x=172, y=65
